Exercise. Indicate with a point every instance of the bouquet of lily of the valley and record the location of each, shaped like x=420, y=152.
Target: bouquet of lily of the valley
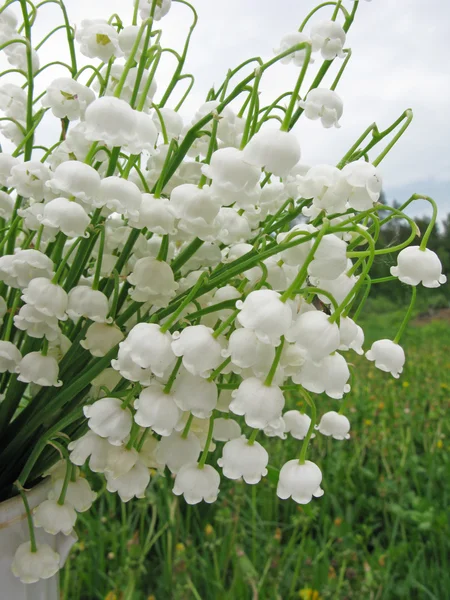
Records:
x=168, y=285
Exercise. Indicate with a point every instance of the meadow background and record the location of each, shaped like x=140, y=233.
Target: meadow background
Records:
x=380, y=532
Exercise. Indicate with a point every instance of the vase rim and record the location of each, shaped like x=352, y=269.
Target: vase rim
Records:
x=13, y=509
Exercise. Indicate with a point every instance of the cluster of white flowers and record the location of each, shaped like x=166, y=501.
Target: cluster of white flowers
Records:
x=151, y=271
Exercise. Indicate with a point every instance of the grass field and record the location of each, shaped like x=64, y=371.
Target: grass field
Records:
x=380, y=532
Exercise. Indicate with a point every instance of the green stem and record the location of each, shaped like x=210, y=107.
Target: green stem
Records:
x=67, y=478
x=187, y=426
x=168, y=324
x=408, y=315
x=30, y=80
x=173, y=376
x=29, y=516
x=204, y=455
x=219, y=369
x=304, y=448
x=348, y=52
x=295, y=94
x=63, y=263
x=252, y=438
x=98, y=266
x=275, y=363
x=223, y=326
x=130, y=61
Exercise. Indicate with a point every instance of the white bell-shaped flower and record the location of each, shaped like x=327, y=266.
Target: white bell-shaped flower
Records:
x=36, y=324
x=86, y=302
x=7, y=162
x=351, y=334
x=196, y=210
x=323, y=104
x=275, y=151
x=335, y=425
x=10, y=357
x=156, y=215
x=17, y=55
x=197, y=483
x=127, y=39
x=329, y=38
x=230, y=171
x=27, y=265
x=264, y=313
x=78, y=494
x=132, y=484
x=120, y=460
x=330, y=258
x=233, y=227
x=110, y=120
x=32, y=217
x=339, y=288
x=241, y=459
x=297, y=424
x=361, y=183
x=174, y=451
x=292, y=358
x=31, y=566
x=13, y=101
x=225, y=430
x=54, y=517
x=90, y=446
x=278, y=430
x=149, y=348
x=48, y=298
x=101, y=338
x=301, y=482
x=109, y=419
x=416, y=266
x=75, y=179
x=98, y=39
x=314, y=333
x=247, y=351
x=67, y=216
x=331, y=376
x=296, y=255
x=260, y=404
x=154, y=282
x=227, y=292
x=29, y=178
x=173, y=122
x=119, y=195
x=37, y=368
x=195, y=394
x=129, y=369
x=293, y=39
x=162, y=7
x=388, y=357
x=67, y=98
x=146, y=137
x=201, y=352
x=272, y=197
x=8, y=20
x=157, y=410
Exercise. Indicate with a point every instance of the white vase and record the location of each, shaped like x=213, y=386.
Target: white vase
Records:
x=13, y=532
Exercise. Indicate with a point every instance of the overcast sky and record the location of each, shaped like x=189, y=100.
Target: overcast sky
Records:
x=400, y=60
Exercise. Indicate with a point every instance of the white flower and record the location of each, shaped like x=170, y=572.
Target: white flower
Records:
x=119, y=195
x=319, y=183
x=302, y=482
x=36, y=324
x=231, y=173
x=78, y=494
x=120, y=460
x=10, y=357
x=110, y=120
x=361, y=183
x=101, y=338
x=196, y=210
x=174, y=451
x=91, y=446
x=330, y=376
x=67, y=216
x=339, y=288
x=108, y=419
x=264, y=313
x=330, y=258
x=29, y=179
x=157, y=410
x=75, y=179
x=7, y=162
x=233, y=227
x=415, y=266
x=173, y=122
x=67, y=98
x=329, y=38
x=277, y=430
x=296, y=255
x=352, y=336
x=156, y=215
x=18, y=57
x=260, y=404
x=314, y=333
x=274, y=150
x=147, y=135
x=8, y=19
x=225, y=430
x=323, y=104
x=149, y=348
x=195, y=394
x=37, y=368
x=127, y=39
x=48, y=298
x=162, y=7
x=388, y=357
x=242, y=459
x=13, y=101
x=298, y=56
x=25, y=266
x=86, y=302
x=154, y=282
x=54, y=517
x=201, y=352
x=247, y=351
x=97, y=39
x=30, y=566
x=335, y=425
x=6, y=205
x=197, y=483
x=132, y=484
x=297, y=424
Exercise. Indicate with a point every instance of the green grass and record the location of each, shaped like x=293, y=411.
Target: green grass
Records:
x=380, y=531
